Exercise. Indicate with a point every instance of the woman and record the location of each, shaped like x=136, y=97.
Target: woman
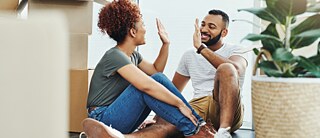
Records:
x=122, y=93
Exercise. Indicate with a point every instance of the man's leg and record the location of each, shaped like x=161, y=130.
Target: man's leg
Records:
x=227, y=95
x=161, y=129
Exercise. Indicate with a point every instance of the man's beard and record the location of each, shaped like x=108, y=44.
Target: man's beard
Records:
x=214, y=40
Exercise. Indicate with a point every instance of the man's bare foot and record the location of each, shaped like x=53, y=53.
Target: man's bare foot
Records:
x=96, y=129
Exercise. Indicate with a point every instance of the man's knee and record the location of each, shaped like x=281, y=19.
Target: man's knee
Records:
x=227, y=76
x=227, y=70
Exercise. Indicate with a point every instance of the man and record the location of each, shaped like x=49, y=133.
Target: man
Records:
x=217, y=73
x=216, y=70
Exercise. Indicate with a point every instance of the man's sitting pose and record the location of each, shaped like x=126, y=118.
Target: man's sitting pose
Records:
x=216, y=70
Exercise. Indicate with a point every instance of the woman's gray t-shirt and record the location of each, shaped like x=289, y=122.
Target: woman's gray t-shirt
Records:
x=106, y=83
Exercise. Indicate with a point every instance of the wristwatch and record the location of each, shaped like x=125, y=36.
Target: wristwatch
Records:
x=202, y=46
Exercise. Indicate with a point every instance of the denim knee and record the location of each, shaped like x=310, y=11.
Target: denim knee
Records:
x=159, y=76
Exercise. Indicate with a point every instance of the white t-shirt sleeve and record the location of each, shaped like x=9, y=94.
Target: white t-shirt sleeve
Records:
x=240, y=51
x=183, y=67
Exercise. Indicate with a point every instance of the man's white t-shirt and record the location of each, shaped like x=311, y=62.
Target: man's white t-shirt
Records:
x=201, y=72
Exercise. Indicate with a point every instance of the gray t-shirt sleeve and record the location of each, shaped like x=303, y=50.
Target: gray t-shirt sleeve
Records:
x=114, y=61
x=138, y=57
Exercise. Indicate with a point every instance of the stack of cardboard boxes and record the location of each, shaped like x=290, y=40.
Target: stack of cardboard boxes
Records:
x=8, y=6
x=78, y=14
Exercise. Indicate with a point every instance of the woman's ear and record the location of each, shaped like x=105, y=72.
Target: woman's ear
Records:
x=132, y=32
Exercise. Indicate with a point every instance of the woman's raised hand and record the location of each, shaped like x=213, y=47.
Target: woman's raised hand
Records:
x=162, y=32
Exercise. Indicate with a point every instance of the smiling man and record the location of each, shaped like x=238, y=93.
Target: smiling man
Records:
x=217, y=71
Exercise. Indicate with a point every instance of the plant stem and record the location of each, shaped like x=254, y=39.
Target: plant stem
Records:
x=288, y=32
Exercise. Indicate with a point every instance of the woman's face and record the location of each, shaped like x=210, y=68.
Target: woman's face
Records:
x=141, y=31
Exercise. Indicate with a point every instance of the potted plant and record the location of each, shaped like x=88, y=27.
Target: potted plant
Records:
x=286, y=102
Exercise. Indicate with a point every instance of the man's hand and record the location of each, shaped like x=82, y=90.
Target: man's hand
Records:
x=162, y=33
x=196, y=35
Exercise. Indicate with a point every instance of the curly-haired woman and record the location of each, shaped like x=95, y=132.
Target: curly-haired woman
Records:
x=122, y=93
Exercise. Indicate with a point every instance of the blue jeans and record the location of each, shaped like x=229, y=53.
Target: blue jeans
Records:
x=132, y=107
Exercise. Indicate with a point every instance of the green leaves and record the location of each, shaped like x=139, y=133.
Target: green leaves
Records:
x=310, y=67
x=255, y=51
x=270, y=44
x=282, y=13
x=306, y=32
x=282, y=54
x=310, y=33
x=284, y=8
x=263, y=13
x=257, y=37
x=310, y=23
x=269, y=38
x=270, y=69
x=277, y=10
x=285, y=64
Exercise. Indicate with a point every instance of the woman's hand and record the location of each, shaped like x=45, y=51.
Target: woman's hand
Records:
x=185, y=110
x=146, y=123
x=196, y=35
x=162, y=32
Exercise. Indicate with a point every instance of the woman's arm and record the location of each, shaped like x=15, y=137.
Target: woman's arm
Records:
x=148, y=85
x=151, y=87
x=161, y=61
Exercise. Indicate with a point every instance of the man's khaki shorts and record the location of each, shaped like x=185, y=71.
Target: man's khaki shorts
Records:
x=208, y=109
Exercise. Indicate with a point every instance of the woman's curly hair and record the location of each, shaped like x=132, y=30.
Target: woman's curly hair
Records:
x=117, y=18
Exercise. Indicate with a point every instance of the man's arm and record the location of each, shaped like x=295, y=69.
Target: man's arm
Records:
x=180, y=81
x=216, y=60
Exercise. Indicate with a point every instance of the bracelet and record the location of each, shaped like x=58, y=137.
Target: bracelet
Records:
x=202, y=46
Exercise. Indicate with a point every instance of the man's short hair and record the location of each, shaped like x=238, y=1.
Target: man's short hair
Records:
x=225, y=16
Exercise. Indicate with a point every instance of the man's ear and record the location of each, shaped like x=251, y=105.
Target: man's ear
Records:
x=224, y=32
x=132, y=32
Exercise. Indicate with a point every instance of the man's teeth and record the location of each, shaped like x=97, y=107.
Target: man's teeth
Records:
x=204, y=36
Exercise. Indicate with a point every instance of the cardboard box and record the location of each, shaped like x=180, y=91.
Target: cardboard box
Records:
x=9, y=5
x=78, y=13
x=78, y=51
x=78, y=99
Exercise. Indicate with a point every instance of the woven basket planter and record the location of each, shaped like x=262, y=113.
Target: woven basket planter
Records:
x=286, y=107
